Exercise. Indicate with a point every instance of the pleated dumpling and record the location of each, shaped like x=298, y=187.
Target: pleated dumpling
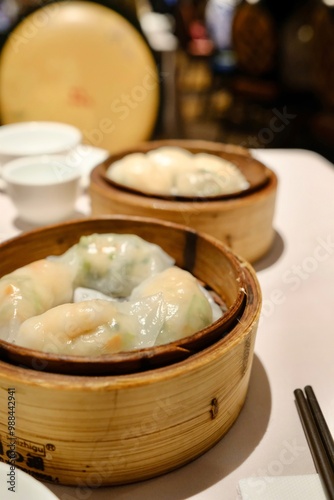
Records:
x=138, y=171
x=187, y=308
x=221, y=173
x=31, y=290
x=114, y=263
x=94, y=327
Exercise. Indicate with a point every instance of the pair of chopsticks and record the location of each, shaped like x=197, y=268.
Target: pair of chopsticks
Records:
x=318, y=436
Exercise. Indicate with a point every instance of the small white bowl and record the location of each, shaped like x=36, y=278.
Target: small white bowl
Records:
x=44, y=189
x=37, y=138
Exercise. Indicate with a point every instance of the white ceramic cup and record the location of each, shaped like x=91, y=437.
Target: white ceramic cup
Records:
x=44, y=189
x=37, y=138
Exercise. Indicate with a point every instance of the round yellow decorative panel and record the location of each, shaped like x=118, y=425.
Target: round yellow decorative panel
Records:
x=81, y=63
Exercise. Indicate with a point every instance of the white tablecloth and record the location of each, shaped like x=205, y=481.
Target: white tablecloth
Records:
x=294, y=346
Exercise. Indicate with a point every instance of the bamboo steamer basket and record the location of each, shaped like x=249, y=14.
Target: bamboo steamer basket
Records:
x=244, y=223
x=116, y=429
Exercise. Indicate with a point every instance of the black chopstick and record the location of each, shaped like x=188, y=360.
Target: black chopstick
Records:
x=320, y=456
x=321, y=423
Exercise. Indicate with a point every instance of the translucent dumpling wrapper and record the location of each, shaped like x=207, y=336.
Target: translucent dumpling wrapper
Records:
x=171, y=161
x=95, y=327
x=106, y=294
x=164, y=308
x=136, y=170
x=188, y=309
x=31, y=290
x=114, y=264
x=171, y=157
x=198, y=184
x=229, y=179
x=153, y=172
x=82, y=293
x=173, y=171
x=217, y=311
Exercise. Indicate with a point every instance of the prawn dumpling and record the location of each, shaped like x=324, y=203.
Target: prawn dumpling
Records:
x=60, y=328
x=94, y=327
x=31, y=290
x=114, y=264
x=187, y=308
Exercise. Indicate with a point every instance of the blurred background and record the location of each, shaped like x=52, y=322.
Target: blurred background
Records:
x=259, y=73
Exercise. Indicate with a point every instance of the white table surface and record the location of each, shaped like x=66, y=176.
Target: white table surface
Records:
x=294, y=345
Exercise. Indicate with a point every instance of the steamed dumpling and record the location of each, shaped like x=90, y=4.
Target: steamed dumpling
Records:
x=127, y=295
x=114, y=263
x=187, y=308
x=94, y=327
x=31, y=290
x=175, y=171
x=138, y=171
x=170, y=157
x=129, y=170
x=228, y=178
x=202, y=184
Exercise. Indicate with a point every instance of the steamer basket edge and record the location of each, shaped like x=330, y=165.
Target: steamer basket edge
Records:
x=166, y=415
x=245, y=224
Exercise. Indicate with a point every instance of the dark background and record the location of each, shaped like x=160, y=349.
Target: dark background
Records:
x=271, y=86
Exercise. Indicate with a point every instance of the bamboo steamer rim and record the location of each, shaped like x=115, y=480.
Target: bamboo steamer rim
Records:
x=99, y=183
x=132, y=361
x=169, y=371
x=250, y=318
